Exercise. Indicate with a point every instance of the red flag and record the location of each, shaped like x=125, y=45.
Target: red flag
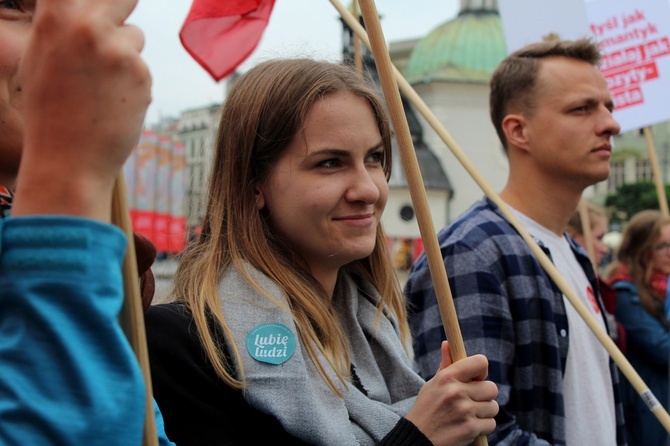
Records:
x=221, y=34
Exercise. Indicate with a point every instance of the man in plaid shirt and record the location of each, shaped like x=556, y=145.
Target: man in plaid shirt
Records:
x=557, y=384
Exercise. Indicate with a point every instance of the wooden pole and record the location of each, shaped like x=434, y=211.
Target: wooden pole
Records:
x=416, y=187
x=358, y=59
x=132, y=314
x=414, y=180
x=658, y=179
x=618, y=357
x=585, y=220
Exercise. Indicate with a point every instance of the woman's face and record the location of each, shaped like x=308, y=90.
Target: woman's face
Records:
x=598, y=231
x=661, y=251
x=326, y=193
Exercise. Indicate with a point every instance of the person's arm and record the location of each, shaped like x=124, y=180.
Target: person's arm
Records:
x=405, y=433
x=68, y=373
x=486, y=324
x=644, y=333
x=481, y=284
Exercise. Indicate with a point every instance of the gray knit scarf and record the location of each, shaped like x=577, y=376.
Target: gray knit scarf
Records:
x=294, y=392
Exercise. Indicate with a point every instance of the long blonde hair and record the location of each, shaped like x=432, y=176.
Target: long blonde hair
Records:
x=264, y=111
x=595, y=214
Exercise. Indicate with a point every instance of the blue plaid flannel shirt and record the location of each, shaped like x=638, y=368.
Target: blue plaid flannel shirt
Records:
x=509, y=310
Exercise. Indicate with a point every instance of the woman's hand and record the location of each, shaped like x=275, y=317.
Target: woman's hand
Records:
x=457, y=404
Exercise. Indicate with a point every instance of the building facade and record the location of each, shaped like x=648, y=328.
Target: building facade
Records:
x=449, y=68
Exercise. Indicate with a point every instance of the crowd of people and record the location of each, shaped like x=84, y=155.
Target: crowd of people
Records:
x=287, y=322
x=639, y=275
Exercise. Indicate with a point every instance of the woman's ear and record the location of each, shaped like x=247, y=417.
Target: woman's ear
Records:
x=260, y=197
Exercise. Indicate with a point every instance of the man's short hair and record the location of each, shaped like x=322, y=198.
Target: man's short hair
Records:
x=513, y=81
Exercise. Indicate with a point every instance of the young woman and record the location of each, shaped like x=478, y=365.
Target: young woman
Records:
x=288, y=313
x=640, y=277
x=599, y=223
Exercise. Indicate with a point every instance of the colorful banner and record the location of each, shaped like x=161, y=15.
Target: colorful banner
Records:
x=162, y=193
x=143, y=213
x=130, y=177
x=156, y=197
x=177, y=206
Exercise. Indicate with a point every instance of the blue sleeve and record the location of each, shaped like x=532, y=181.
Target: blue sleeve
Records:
x=644, y=333
x=160, y=427
x=68, y=375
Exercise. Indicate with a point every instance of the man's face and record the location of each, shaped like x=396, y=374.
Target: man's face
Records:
x=569, y=131
x=15, y=22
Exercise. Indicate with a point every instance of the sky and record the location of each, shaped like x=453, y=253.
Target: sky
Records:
x=297, y=28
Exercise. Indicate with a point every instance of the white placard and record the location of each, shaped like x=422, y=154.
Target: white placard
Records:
x=635, y=39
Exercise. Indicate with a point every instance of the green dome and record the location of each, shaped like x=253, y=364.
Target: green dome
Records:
x=465, y=49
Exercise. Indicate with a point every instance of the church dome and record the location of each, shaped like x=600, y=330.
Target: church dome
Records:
x=465, y=49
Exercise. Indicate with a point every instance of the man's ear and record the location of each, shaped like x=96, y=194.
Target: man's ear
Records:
x=260, y=197
x=515, y=130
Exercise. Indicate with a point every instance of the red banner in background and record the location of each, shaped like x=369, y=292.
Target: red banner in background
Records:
x=156, y=196
x=177, y=228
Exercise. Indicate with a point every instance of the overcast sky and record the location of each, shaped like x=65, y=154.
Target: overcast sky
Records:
x=296, y=28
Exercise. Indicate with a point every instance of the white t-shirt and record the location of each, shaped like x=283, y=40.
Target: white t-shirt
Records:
x=587, y=384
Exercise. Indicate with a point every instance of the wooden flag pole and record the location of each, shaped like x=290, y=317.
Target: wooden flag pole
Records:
x=358, y=59
x=416, y=186
x=414, y=180
x=618, y=357
x=132, y=315
x=658, y=179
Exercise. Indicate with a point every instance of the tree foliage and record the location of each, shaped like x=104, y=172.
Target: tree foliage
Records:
x=632, y=198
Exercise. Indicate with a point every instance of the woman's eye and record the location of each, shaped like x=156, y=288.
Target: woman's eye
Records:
x=376, y=157
x=330, y=163
x=11, y=4
x=17, y=9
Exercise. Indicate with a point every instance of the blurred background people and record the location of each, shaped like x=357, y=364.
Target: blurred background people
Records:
x=639, y=275
x=598, y=223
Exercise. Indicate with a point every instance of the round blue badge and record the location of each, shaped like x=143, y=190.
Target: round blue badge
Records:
x=271, y=343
